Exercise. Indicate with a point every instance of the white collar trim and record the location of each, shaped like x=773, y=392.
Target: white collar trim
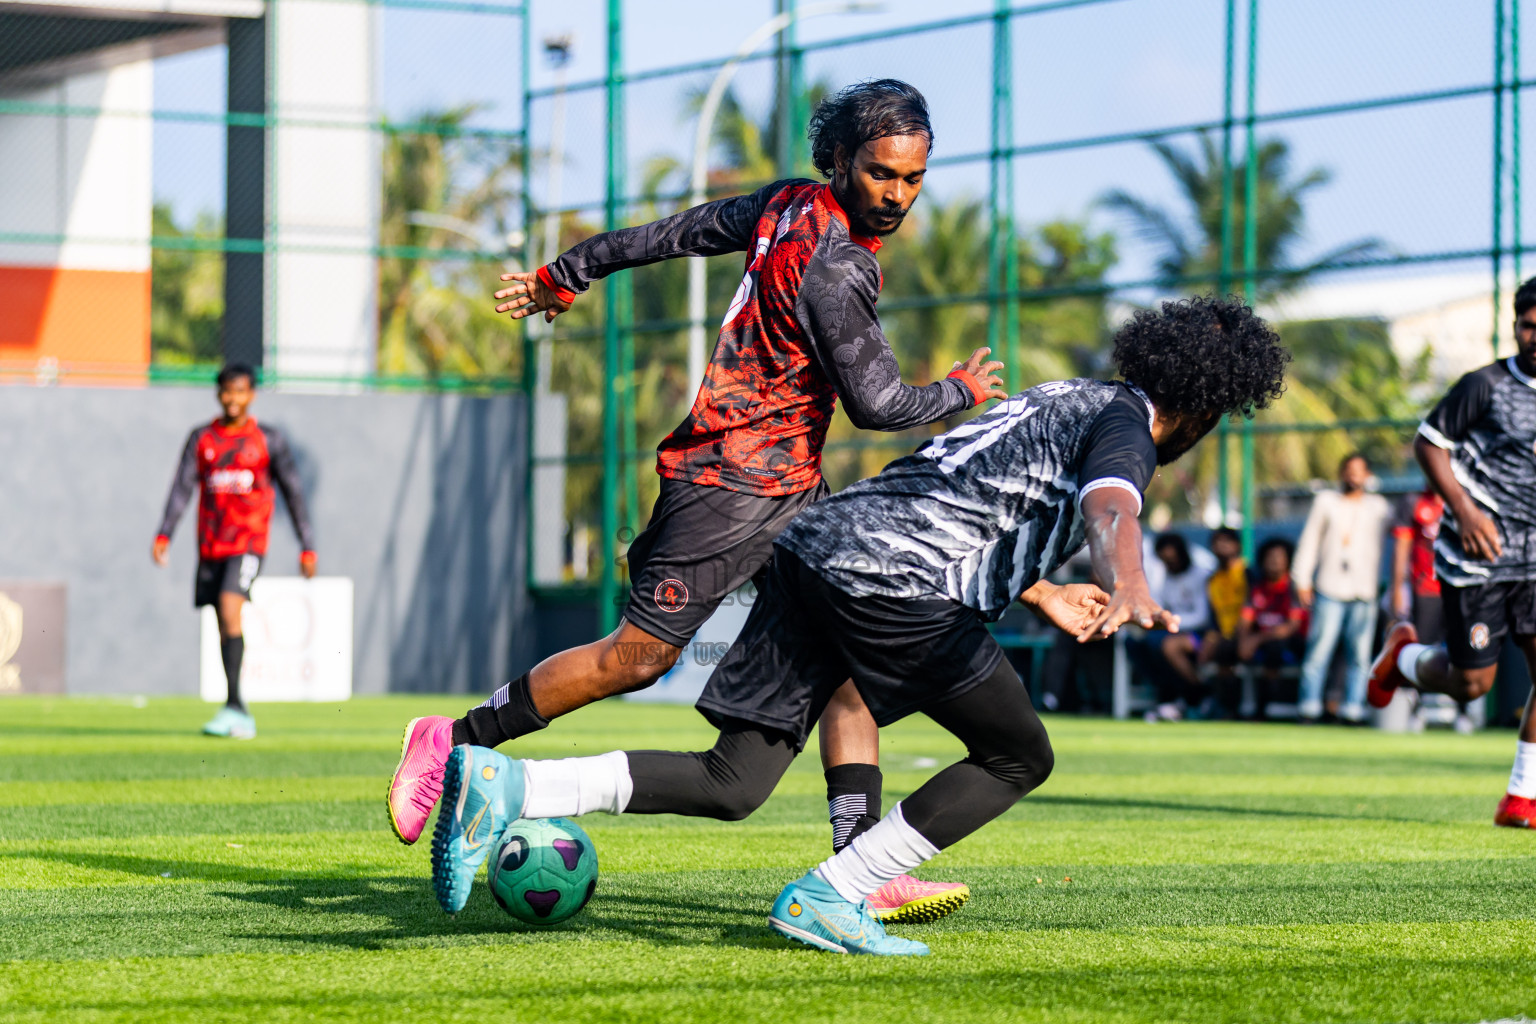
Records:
x=1514, y=369
x=1152, y=410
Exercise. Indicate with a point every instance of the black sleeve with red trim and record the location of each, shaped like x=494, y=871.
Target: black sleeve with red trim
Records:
x=725, y=225
x=286, y=475
x=182, y=485
x=836, y=309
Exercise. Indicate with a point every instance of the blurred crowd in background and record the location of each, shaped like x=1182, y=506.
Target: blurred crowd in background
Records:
x=1290, y=636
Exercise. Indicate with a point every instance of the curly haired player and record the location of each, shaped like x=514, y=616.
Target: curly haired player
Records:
x=891, y=583
x=1478, y=449
x=236, y=461
x=801, y=334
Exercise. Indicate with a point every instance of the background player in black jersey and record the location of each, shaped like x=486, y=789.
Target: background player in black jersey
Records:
x=236, y=462
x=891, y=583
x=1478, y=449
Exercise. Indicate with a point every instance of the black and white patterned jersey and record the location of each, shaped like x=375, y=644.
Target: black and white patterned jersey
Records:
x=981, y=513
x=1488, y=424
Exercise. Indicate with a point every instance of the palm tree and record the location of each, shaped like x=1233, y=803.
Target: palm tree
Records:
x=1189, y=245
x=434, y=316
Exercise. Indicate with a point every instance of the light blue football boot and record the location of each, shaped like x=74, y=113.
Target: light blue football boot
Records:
x=810, y=911
x=482, y=794
x=231, y=723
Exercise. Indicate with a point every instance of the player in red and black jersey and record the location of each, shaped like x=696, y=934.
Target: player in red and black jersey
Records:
x=236, y=462
x=800, y=335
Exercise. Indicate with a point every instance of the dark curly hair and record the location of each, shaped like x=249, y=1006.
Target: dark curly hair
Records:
x=233, y=372
x=1525, y=296
x=1203, y=355
x=862, y=113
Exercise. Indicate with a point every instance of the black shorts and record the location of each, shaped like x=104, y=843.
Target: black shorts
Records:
x=217, y=576
x=804, y=637
x=1477, y=619
x=1429, y=618
x=701, y=545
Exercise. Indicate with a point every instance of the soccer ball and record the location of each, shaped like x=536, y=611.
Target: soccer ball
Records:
x=544, y=871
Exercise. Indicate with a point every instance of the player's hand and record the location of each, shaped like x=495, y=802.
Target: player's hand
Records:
x=1129, y=603
x=527, y=295
x=985, y=372
x=307, y=562
x=1305, y=596
x=1073, y=607
x=1400, y=603
x=1479, y=537
x=159, y=551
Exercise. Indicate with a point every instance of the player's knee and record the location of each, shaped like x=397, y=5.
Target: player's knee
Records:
x=1476, y=683
x=627, y=666
x=1026, y=765
x=737, y=801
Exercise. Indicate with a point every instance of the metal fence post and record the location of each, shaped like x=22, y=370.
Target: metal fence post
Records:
x=1250, y=255
x=608, y=589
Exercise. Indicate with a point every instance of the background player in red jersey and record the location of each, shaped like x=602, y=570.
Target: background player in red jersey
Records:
x=236, y=461
x=801, y=335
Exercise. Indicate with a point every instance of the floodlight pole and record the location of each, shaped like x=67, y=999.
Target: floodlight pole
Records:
x=699, y=178
x=1250, y=256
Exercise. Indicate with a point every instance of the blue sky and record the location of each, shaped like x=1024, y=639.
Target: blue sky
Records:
x=1417, y=177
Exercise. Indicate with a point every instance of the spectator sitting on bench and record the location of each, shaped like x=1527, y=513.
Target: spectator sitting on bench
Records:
x=1272, y=633
x=1188, y=651
x=1178, y=577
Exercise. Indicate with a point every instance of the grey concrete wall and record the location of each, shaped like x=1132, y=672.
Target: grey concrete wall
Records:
x=418, y=498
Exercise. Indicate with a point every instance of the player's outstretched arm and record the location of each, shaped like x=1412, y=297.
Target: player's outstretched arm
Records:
x=836, y=310
x=285, y=474
x=1479, y=537
x=725, y=225
x=1114, y=545
x=182, y=485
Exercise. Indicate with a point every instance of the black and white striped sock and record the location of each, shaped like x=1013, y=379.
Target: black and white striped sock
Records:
x=853, y=801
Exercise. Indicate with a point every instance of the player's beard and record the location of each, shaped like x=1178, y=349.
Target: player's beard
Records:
x=1188, y=434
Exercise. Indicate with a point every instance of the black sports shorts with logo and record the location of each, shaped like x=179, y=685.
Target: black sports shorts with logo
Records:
x=804, y=637
x=701, y=545
x=217, y=576
x=1477, y=619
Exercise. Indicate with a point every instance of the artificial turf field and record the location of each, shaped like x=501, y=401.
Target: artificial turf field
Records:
x=1217, y=873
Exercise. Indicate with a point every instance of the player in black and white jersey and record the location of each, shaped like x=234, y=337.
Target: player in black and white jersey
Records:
x=1478, y=449
x=891, y=583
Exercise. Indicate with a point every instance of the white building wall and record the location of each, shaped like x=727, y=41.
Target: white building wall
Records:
x=325, y=183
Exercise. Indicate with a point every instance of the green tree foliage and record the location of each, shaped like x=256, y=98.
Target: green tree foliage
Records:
x=446, y=190
x=1189, y=244
x=186, y=291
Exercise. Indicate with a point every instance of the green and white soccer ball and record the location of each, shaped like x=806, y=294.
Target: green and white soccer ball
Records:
x=544, y=871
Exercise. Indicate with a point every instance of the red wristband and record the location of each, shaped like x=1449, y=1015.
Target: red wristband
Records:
x=306, y=558
x=565, y=295
x=965, y=377
x=160, y=536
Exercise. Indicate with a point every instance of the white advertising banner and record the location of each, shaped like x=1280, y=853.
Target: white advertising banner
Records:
x=298, y=642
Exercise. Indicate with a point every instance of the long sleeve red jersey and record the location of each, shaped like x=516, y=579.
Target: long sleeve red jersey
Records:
x=237, y=468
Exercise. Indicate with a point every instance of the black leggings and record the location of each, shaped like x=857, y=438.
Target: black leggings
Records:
x=1008, y=754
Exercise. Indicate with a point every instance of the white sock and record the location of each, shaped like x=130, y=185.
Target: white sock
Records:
x=1408, y=661
x=574, y=786
x=1522, y=778
x=498, y=698
x=889, y=848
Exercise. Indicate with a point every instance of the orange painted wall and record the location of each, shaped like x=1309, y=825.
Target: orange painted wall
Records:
x=98, y=318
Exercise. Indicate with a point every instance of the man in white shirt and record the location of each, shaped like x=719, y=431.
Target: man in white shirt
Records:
x=1337, y=574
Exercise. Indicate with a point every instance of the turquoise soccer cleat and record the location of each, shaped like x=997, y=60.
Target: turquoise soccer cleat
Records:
x=482, y=794
x=231, y=723
x=810, y=911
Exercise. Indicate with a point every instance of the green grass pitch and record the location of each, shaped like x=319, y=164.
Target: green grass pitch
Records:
x=1217, y=873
